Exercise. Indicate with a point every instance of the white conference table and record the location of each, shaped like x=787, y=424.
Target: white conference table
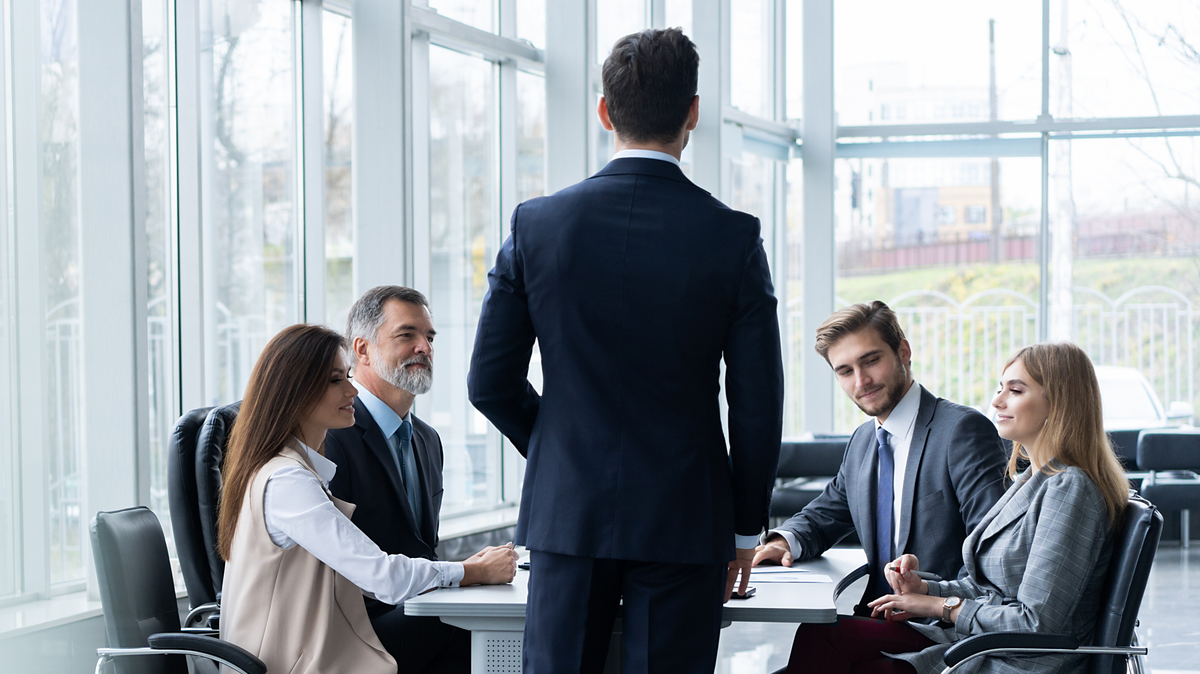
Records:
x=495, y=614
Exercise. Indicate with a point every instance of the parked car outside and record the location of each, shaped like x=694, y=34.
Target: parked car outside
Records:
x=1130, y=402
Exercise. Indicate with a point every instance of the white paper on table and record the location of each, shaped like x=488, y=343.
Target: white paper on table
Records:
x=785, y=574
x=778, y=569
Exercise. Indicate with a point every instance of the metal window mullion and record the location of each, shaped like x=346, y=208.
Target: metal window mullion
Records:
x=569, y=55
x=708, y=29
x=779, y=51
x=186, y=240
x=310, y=161
x=23, y=93
x=507, y=125
x=820, y=133
x=418, y=107
x=112, y=240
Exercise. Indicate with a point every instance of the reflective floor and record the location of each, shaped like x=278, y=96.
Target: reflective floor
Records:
x=1170, y=620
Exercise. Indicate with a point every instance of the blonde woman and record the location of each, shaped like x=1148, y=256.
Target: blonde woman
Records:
x=297, y=567
x=1036, y=561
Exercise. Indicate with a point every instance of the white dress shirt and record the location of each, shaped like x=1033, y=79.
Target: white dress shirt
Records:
x=900, y=424
x=646, y=154
x=298, y=511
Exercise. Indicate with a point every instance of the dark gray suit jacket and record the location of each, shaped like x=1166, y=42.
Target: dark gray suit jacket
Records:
x=954, y=474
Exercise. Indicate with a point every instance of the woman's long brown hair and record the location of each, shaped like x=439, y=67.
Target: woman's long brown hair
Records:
x=288, y=380
x=1074, y=432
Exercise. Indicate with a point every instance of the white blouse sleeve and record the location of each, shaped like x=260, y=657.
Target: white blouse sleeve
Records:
x=298, y=512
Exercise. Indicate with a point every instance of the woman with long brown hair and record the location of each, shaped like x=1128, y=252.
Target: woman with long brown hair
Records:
x=297, y=567
x=1036, y=561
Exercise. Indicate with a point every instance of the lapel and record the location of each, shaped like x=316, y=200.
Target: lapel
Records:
x=377, y=444
x=916, y=449
x=424, y=465
x=864, y=486
x=1013, y=505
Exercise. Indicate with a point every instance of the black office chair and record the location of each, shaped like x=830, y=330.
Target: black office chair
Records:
x=185, y=517
x=1113, y=639
x=211, y=445
x=805, y=467
x=196, y=452
x=1171, y=455
x=138, y=596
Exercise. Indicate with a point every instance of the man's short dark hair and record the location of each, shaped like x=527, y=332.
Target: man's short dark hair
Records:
x=649, y=83
x=366, y=316
x=853, y=318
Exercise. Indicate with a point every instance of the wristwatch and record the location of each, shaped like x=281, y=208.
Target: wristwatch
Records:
x=950, y=604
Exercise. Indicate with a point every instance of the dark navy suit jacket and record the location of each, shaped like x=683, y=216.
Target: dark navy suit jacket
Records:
x=635, y=283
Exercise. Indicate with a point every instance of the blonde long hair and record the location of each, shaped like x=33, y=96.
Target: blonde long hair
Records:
x=1074, y=431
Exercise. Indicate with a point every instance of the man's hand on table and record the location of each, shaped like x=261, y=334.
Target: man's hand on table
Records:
x=776, y=550
x=745, y=559
x=490, y=566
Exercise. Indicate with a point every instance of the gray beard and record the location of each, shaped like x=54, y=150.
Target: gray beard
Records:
x=416, y=381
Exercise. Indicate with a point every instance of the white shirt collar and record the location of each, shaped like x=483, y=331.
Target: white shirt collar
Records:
x=381, y=412
x=325, y=468
x=646, y=154
x=903, y=418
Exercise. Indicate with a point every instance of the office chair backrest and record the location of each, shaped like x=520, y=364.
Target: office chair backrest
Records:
x=136, y=589
x=1125, y=444
x=811, y=458
x=210, y=457
x=1169, y=449
x=185, y=517
x=1134, y=545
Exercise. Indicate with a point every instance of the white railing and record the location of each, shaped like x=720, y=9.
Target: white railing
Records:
x=959, y=347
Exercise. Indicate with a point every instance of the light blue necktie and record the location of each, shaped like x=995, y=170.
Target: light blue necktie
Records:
x=883, y=511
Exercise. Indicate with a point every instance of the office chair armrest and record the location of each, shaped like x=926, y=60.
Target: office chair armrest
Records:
x=1005, y=641
x=214, y=649
x=201, y=614
x=201, y=631
x=1023, y=644
x=848, y=581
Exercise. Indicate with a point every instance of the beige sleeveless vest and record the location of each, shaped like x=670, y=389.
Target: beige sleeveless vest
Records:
x=287, y=607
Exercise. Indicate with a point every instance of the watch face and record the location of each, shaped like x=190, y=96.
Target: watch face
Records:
x=953, y=601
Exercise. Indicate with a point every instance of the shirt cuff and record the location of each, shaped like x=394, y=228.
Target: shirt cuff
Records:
x=788, y=536
x=450, y=574
x=740, y=541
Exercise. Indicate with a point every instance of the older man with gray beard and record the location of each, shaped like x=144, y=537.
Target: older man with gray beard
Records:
x=389, y=463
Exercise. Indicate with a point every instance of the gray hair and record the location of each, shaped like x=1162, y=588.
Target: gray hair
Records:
x=366, y=316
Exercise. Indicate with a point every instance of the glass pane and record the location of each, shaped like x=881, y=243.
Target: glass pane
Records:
x=61, y=259
x=752, y=186
x=679, y=15
x=751, y=60
x=339, y=120
x=895, y=65
x=1124, y=59
x=795, y=59
x=614, y=20
x=159, y=326
x=953, y=252
x=1124, y=279
x=531, y=136
x=464, y=231
x=249, y=219
x=531, y=21
x=478, y=13
x=793, y=327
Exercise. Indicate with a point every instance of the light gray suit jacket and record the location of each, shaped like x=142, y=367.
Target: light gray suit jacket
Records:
x=1034, y=564
x=954, y=474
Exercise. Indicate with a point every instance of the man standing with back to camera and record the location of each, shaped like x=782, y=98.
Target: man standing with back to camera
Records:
x=635, y=283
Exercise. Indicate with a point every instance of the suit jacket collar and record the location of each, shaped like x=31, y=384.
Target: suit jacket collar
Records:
x=1011, y=507
x=646, y=167
x=374, y=440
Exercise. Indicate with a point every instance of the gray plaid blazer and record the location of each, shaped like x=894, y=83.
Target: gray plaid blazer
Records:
x=1034, y=564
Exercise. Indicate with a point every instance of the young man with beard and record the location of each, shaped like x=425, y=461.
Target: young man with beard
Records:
x=915, y=479
x=389, y=464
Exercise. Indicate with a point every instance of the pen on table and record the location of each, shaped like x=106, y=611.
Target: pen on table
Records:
x=923, y=575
